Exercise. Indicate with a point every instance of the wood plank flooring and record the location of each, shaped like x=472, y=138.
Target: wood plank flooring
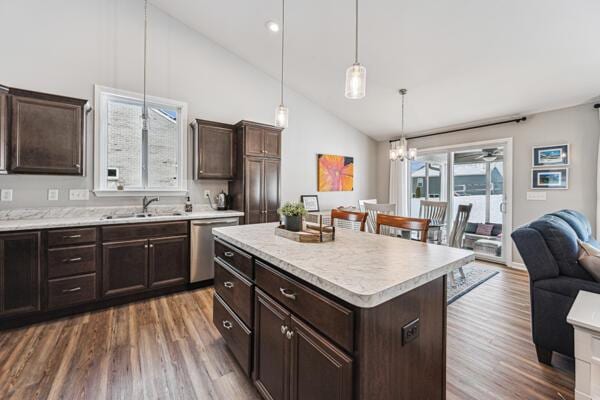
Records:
x=167, y=348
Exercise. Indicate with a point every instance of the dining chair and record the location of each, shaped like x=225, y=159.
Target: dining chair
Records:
x=373, y=209
x=435, y=211
x=419, y=225
x=348, y=219
x=455, y=239
x=361, y=203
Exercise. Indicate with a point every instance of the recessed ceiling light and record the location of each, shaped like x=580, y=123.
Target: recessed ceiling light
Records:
x=272, y=26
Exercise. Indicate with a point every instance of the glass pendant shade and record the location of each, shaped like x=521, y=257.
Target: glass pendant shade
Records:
x=356, y=82
x=393, y=155
x=281, y=116
x=412, y=153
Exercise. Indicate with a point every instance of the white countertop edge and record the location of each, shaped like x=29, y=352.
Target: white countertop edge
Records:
x=584, y=310
x=50, y=223
x=362, y=300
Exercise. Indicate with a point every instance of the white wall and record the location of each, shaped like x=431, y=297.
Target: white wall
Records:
x=69, y=45
x=579, y=126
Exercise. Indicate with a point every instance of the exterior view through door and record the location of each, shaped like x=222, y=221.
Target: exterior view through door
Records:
x=462, y=176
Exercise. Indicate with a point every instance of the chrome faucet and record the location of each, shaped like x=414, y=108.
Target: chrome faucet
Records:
x=147, y=201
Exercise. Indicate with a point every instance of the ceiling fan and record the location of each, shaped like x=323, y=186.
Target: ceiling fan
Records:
x=489, y=155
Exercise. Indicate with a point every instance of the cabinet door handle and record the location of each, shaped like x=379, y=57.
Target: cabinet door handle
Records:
x=71, y=236
x=286, y=293
x=228, y=284
x=151, y=245
x=227, y=324
x=228, y=254
x=284, y=329
x=71, y=260
x=289, y=334
x=145, y=246
x=72, y=290
x=201, y=171
x=77, y=166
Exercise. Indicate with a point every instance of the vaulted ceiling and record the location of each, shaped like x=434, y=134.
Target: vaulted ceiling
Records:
x=461, y=60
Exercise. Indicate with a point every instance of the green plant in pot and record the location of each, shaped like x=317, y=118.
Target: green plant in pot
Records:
x=293, y=213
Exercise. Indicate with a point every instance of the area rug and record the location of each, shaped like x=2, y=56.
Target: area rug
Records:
x=474, y=276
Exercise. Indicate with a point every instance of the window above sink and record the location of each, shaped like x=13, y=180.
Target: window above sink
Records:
x=128, y=164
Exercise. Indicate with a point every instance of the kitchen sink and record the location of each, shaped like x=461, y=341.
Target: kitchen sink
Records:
x=142, y=215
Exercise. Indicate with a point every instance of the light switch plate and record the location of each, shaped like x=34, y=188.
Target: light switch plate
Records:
x=6, y=195
x=52, y=194
x=79, y=194
x=536, y=196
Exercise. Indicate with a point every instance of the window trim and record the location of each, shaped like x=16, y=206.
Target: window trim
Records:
x=100, y=144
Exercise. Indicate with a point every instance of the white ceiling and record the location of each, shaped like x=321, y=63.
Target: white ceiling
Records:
x=461, y=60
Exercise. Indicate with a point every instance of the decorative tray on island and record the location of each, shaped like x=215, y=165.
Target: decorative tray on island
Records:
x=310, y=233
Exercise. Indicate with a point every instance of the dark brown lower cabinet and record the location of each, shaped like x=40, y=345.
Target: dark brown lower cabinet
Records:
x=20, y=270
x=124, y=267
x=168, y=261
x=293, y=361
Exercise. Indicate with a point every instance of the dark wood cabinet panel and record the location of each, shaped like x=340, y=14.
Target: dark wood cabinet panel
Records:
x=20, y=271
x=3, y=129
x=237, y=336
x=271, y=348
x=254, y=141
x=254, y=191
x=47, y=133
x=236, y=290
x=272, y=142
x=71, y=261
x=319, y=370
x=138, y=231
x=168, y=264
x=124, y=267
x=214, y=150
x=68, y=237
x=239, y=260
x=65, y=292
x=271, y=190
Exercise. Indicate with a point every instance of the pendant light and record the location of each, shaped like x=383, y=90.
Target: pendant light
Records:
x=282, y=112
x=399, y=150
x=356, y=74
x=144, y=113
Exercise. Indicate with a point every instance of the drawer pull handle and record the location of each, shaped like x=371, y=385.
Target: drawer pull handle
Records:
x=72, y=260
x=284, y=329
x=227, y=324
x=286, y=293
x=228, y=284
x=289, y=334
x=75, y=289
x=71, y=237
x=228, y=254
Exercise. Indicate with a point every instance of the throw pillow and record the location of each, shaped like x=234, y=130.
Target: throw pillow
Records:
x=484, y=229
x=589, y=258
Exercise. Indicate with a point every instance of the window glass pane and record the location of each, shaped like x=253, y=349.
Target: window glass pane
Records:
x=496, y=191
x=163, y=133
x=418, y=183
x=124, y=144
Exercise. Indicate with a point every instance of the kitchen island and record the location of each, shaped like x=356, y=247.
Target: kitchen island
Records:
x=363, y=317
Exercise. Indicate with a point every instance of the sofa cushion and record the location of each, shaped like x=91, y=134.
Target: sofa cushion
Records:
x=561, y=240
x=589, y=259
x=579, y=222
x=567, y=286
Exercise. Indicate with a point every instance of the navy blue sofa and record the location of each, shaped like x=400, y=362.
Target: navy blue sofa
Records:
x=550, y=251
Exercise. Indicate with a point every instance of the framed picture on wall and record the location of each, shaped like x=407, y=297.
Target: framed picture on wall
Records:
x=556, y=178
x=551, y=156
x=310, y=201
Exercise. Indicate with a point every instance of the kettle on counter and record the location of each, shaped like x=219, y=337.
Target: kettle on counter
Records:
x=223, y=201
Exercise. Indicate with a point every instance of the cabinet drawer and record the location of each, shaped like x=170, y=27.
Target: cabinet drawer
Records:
x=70, y=291
x=329, y=317
x=237, y=336
x=65, y=237
x=235, y=290
x=236, y=258
x=71, y=261
x=138, y=231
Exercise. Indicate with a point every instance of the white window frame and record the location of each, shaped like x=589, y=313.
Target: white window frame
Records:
x=101, y=94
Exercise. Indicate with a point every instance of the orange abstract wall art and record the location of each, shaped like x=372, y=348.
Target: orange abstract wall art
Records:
x=336, y=173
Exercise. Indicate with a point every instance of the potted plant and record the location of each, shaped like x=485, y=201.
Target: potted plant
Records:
x=293, y=213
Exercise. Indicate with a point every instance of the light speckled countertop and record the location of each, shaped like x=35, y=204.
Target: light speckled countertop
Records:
x=70, y=220
x=363, y=269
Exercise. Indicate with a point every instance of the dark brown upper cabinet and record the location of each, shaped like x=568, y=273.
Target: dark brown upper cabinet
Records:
x=3, y=129
x=214, y=150
x=260, y=140
x=47, y=133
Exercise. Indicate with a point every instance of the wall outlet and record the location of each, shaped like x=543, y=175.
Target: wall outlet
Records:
x=207, y=193
x=6, y=195
x=52, y=194
x=79, y=194
x=536, y=196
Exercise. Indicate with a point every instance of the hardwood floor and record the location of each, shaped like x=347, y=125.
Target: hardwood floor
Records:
x=167, y=348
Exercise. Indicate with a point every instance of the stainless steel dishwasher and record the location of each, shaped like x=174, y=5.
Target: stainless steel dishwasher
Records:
x=202, y=248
